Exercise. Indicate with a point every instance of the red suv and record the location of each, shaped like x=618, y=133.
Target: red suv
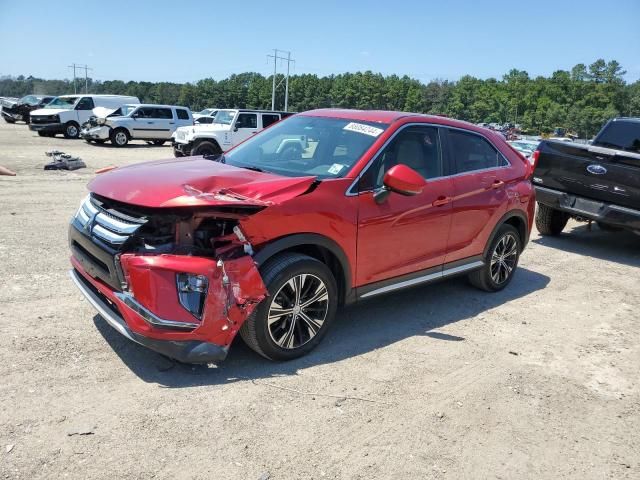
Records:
x=322, y=209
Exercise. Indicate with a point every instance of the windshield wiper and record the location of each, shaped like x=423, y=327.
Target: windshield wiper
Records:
x=249, y=167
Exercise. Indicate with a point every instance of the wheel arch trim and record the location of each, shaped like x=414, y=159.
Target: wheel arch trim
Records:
x=315, y=240
x=516, y=213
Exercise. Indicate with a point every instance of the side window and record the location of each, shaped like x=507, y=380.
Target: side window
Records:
x=247, y=120
x=144, y=112
x=269, y=119
x=415, y=147
x=182, y=114
x=162, y=113
x=473, y=152
x=85, y=103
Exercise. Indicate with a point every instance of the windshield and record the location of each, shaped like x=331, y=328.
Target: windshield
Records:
x=206, y=111
x=224, y=116
x=301, y=146
x=126, y=109
x=29, y=100
x=62, y=102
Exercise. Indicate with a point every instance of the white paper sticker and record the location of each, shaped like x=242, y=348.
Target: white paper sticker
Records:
x=362, y=128
x=335, y=168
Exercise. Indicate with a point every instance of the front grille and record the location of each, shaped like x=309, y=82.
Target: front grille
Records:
x=108, y=225
x=44, y=119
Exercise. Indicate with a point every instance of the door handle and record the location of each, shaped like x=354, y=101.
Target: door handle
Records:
x=441, y=201
x=496, y=184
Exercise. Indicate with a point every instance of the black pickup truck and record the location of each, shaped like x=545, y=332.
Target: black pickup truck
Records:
x=21, y=109
x=598, y=182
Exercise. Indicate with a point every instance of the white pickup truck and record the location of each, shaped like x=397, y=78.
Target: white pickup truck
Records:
x=229, y=127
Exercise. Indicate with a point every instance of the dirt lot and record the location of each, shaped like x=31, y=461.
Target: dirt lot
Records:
x=538, y=381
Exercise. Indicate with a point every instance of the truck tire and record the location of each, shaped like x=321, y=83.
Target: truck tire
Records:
x=158, y=143
x=71, y=130
x=8, y=120
x=501, y=262
x=119, y=137
x=292, y=280
x=177, y=153
x=550, y=221
x=206, y=148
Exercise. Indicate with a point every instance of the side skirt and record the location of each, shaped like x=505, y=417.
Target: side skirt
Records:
x=422, y=277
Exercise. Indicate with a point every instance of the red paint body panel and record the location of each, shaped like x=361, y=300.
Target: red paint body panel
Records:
x=452, y=218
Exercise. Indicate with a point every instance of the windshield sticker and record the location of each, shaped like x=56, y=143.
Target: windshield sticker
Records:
x=336, y=168
x=362, y=128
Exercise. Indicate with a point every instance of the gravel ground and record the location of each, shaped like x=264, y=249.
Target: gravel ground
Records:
x=538, y=381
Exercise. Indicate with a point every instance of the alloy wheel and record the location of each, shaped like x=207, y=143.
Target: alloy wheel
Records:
x=504, y=258
x=72, y=131
x=298, y=311
x=121, y=138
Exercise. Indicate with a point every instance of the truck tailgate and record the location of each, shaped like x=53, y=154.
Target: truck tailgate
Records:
x=593, y=172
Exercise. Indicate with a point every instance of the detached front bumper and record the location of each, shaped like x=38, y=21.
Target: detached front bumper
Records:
x=578, y=206
x=12, y=116
x=187, y=351
x=47, y=127
x=182, y=148
x=95, y=133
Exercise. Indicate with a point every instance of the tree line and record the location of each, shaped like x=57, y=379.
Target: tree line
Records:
x=579, y=100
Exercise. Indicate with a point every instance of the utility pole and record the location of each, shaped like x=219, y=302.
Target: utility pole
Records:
x=86, y=77
x=288, y=59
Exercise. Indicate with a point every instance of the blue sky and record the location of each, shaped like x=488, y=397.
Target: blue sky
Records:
x=187, y=40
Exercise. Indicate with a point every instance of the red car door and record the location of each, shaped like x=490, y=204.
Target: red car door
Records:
x=479, y=193
x=404, y=234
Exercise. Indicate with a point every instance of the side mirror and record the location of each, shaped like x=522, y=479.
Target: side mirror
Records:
x=402, y=180
x=235, y=128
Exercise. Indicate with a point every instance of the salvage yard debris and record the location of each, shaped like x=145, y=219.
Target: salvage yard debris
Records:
x=63, y=161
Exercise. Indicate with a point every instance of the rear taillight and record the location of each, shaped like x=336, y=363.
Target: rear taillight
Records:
x=534, y=159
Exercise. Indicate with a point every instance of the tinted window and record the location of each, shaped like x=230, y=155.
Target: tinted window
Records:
x=269, y=119
x=473, y=152
x=204, y=120
x=85, y=103
x=247, y=120
x=145, y=112
x=163, y=113
x=415, y=147
x=621, y=136
x=182, y=114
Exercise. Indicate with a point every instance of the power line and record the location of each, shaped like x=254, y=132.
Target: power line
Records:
x=86, y=77
x=288, y=59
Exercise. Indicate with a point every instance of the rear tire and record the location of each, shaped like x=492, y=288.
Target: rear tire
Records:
x=282, y=327
x=550, y=221
x=71, y=130
x=206, y=148
x=501, y=261
x=119, y=137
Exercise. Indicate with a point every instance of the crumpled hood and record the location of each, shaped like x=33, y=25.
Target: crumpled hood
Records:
x=194, y=181
x=103, y=112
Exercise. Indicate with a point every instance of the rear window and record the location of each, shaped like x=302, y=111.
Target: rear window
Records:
x=182, y=114
x=269, y=119
x=621, y=136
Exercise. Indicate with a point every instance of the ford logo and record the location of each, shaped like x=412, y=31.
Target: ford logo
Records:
x=596, y=169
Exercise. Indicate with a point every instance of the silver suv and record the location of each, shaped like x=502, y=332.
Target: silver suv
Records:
x=153, y=123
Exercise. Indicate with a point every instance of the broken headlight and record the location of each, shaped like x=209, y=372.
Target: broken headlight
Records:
x=192, y=292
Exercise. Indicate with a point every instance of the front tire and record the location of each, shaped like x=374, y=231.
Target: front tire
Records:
x=8, y=120
x=501, y=261
x=550, y=221
x=206, y=148
x=119, y=137
x=71, y=130
x=298, y=311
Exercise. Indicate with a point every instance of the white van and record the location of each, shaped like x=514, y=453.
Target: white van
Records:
x=65, y=114
x=153, y=123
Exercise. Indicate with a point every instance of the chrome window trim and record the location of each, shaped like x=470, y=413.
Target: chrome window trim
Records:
x=350, y=193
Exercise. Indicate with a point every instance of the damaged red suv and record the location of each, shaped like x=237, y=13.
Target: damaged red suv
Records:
x=323, y=209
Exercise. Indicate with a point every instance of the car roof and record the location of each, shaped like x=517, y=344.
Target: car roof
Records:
x=153, y=105
x=388, y=117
